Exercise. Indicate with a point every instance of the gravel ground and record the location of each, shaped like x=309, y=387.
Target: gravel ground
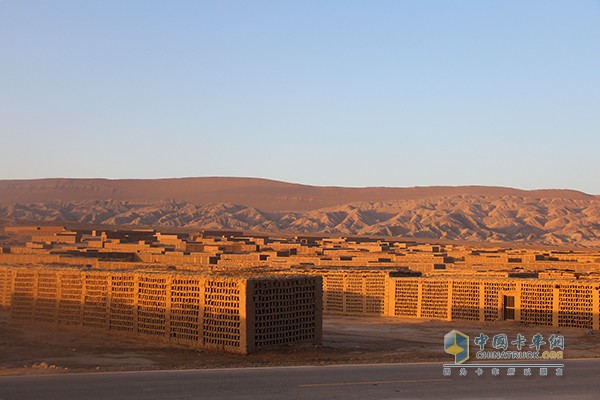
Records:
x=27, y=349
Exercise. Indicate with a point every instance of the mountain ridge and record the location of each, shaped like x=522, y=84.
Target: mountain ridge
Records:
x=467, y=213
x=265, y=194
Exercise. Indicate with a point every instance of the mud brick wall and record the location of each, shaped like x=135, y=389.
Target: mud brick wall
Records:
x=223, y=315
x=122, y=310
x=492, y=292
x=542, y=302
x=28, y=258
x=286, y=310
x=71, y=298
x=235, y=314
x=152, y=307
x=44, y=259
x=406, y=297
x=6, y=282
x=243, y=314
x=537, y=300
x=195, y=258
x=95, y=301
x=186, y=309
x=465, y=300
x=47, y=296
x=354, y=292
x=24, y=288
x=434, y=299
x=576, y=305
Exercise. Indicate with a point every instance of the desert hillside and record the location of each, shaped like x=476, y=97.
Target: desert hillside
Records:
x=552, y=217
x=267, y=195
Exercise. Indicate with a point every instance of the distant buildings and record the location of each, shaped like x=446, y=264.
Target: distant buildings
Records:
x=239, y=293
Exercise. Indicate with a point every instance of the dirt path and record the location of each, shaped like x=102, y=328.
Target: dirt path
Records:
x=27, y=349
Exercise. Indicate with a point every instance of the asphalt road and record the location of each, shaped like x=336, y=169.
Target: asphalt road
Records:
x=390, y=381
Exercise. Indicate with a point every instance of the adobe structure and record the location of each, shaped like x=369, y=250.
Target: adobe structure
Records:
x=190, y=288
x=552, y=302
x=229, y=313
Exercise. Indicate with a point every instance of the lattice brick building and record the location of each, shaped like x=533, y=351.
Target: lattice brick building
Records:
x=230, y=313
x=551, y=302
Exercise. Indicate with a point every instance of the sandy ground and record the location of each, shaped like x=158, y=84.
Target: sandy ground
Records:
x=346, y=340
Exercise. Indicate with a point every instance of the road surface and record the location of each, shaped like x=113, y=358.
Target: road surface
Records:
x=389, y=381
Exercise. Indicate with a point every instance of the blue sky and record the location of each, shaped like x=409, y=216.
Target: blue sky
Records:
x=350, y=93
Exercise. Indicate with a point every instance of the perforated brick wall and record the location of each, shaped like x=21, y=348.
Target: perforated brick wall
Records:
x=354, y=292
x=123, y=298
x=333, y=293
x=23, y=296
x=5, y=287
x=576, y=305
x=406, y=292
x=46, y=297
x=71, y=298
x=434, y=299
x=214, y=311
x=465, y=300
x=537, y=302
x=375, y=293
x=95, y=300
x=242, y=314
x=221, y=325
x=492, y=291
x=152, y=305
x=286, y=310
x=186, y=309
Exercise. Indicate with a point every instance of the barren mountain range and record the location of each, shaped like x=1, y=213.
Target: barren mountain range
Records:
x=471, y=213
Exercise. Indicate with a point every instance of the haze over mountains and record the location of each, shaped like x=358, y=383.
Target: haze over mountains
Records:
x=473, y=213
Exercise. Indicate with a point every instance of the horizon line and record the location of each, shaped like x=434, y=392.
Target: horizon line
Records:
x=297, y=183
